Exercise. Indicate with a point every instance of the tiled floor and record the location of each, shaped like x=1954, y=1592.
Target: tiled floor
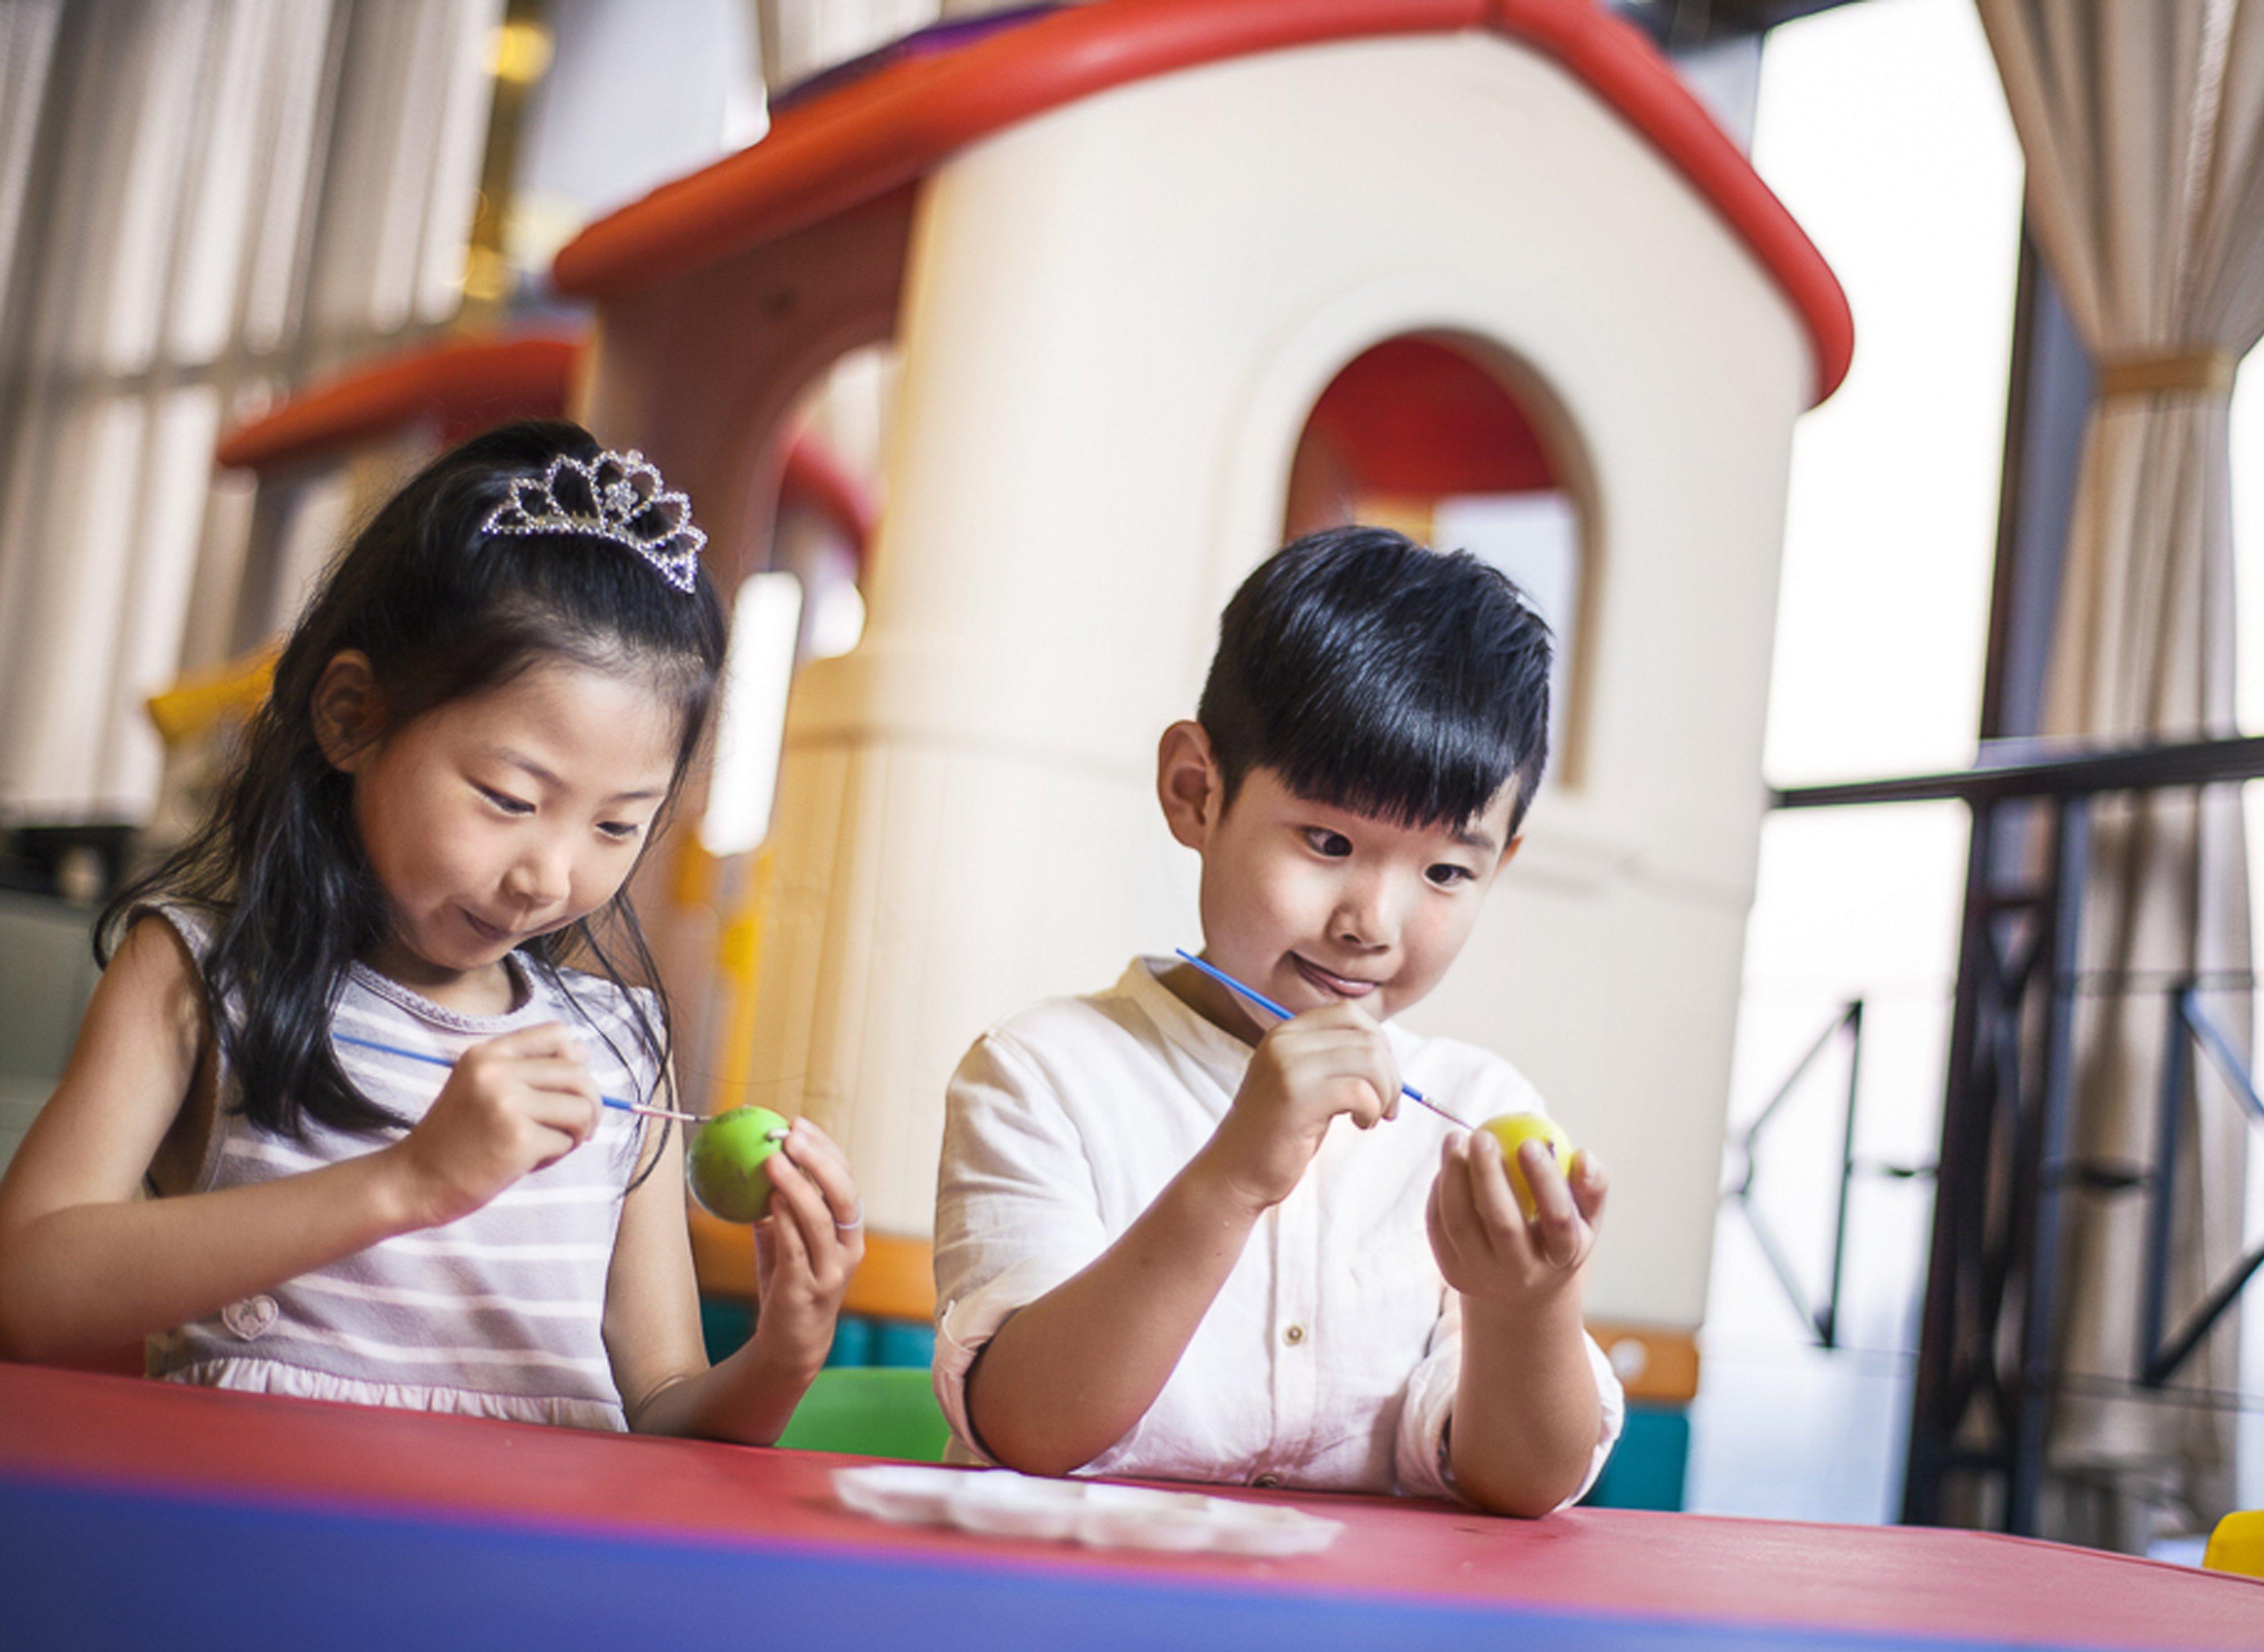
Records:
x=1782, y=1428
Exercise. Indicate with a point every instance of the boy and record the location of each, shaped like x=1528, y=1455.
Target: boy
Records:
x=1155, y=1253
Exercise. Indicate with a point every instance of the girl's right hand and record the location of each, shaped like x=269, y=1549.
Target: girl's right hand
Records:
x=511, y=1105
x=1305, y=1072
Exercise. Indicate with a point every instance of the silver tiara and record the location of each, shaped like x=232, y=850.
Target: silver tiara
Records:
x=616, y=496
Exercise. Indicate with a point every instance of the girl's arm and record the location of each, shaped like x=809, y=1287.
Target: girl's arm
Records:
x=85, y=1262
x=805, y=1260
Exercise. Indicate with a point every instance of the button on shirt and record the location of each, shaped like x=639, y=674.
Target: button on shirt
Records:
x=1330, y=1358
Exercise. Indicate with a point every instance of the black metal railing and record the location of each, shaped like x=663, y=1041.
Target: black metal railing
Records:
x=1822, y=1316
x=2190, y=1025
x=1984, y=1373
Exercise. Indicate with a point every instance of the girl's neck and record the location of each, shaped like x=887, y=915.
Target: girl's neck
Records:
x=493, y=989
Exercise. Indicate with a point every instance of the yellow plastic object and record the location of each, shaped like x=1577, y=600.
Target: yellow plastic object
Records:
x=202, y=698
x=738, y=968
x=2238, y=1545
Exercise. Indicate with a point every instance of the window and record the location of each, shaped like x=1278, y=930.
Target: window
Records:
x=1421, y=434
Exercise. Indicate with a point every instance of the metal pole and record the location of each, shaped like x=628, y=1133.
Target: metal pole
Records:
x=2177, y=1067
x=1959, y=1167
x=2071, y=862
x=1828, y=1321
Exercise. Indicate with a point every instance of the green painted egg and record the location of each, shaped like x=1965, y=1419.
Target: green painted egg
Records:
x=730, y=1162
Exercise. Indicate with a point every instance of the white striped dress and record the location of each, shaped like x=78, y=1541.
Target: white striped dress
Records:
x=497, y=1315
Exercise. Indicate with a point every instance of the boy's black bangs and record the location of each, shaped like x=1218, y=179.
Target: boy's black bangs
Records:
x=1377, y=676
x=1369, y=746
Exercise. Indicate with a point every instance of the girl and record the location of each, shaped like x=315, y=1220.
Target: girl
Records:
x=473, y=733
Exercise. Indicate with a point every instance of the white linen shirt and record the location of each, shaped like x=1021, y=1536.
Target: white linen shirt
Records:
x=1329, y=1360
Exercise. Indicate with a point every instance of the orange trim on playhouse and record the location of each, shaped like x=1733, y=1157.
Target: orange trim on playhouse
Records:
x=465, y=384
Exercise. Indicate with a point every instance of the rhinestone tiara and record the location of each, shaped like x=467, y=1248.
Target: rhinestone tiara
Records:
x=616, y=496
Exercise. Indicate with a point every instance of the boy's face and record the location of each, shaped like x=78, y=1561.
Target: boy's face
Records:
x=1314, y=905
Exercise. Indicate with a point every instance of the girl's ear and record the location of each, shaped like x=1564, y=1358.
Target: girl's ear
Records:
x=349, y=713
x=1188, y=782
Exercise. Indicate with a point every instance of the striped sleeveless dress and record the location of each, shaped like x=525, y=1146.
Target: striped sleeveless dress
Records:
x=498, y=1314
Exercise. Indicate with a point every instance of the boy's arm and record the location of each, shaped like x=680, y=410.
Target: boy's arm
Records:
x=1529, y=1414
x=1071, y=1371
x=1069, y=1375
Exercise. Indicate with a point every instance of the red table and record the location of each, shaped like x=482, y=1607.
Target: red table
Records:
x=133, y=1512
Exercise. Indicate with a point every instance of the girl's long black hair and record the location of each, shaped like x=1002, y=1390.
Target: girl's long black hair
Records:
x=443, y=610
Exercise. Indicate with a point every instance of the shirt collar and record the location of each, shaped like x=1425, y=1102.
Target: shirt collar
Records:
x=1216, y=1048
x=408, y=998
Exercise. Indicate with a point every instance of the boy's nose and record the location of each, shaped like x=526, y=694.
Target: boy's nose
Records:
x=1365, y=919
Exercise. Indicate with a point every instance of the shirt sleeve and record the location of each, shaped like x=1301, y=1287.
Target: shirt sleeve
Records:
x=1419, y=1452
x=1016, y=1211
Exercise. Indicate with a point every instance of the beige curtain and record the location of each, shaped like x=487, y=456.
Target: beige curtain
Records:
x=201, y=202
x=2143, y=122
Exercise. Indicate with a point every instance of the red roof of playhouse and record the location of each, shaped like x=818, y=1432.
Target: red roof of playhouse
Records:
x=846, y=146
x=467, y=385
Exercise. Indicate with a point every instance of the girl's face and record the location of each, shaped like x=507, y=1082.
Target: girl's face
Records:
x=505, y=815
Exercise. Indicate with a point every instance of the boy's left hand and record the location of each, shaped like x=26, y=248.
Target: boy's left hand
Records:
x=806, y=1248
x=1486, y=1246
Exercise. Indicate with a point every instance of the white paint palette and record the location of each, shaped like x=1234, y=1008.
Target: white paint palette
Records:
x=998, y=1502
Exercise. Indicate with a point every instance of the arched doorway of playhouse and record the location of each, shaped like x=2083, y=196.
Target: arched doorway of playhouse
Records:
x=1459, y=444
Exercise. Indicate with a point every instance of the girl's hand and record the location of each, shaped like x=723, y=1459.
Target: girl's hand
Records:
x=511, y=1105
x=805, y=1248
x=1306, y=1072
x=1485, y=1248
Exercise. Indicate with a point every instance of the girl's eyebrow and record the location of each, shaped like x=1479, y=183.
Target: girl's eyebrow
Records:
x=518, y=759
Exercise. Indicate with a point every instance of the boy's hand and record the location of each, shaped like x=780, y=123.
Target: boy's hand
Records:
x=1306, y=1071
x=805, y=1248
x=1485, y=1248
x=511, y=1105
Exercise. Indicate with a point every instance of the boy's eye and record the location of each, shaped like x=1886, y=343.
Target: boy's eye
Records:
x=1335, y=845
x=507, y=803
x=1446, y=875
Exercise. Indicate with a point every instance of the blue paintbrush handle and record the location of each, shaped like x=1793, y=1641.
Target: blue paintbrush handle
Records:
x=443, y=1061
x=1268, y=1005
